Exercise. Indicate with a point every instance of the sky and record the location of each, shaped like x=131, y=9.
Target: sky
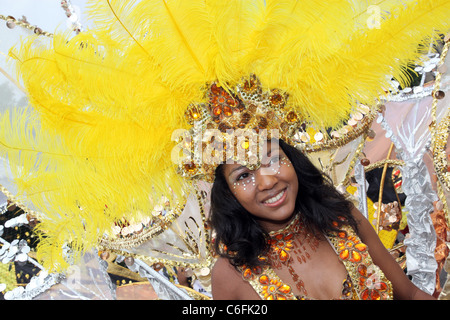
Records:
x=47, y=15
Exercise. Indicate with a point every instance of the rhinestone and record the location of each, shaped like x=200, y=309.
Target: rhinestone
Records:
x=365, y=162
x=318, y=136
x=276, y=99
x=190, y=167
x=291, y=116
x=10, y=24
x=439, y=94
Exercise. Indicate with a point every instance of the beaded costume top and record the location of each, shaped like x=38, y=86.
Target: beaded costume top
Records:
x=365, y=281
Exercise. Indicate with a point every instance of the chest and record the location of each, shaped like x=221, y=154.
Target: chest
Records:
x=333, y=267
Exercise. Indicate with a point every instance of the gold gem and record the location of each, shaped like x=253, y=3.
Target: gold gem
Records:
x=190, y=167
x=276, y=99
x=291, y=116
x=284, y=126
x=252, y=108
x=263, y=123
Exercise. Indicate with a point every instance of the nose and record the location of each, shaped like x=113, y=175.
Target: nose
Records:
x=265, y=179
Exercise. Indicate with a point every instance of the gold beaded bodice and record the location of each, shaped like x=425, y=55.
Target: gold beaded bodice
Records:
x=364, y=279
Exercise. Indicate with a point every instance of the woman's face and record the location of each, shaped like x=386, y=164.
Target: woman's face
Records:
x=270, y=191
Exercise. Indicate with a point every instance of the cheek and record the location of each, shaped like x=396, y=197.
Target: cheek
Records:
x=287, y=172
x=245, y=193
x=243, y=186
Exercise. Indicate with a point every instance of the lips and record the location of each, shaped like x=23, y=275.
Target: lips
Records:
x=276, y=199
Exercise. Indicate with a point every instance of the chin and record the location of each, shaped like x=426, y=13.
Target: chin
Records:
x=281, y=215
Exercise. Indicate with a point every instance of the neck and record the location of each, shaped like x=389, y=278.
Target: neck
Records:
x=274, y=226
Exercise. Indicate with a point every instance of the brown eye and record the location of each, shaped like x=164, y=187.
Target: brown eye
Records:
x=243, y=176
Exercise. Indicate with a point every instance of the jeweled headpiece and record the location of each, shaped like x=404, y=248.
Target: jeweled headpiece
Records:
x=234, y=124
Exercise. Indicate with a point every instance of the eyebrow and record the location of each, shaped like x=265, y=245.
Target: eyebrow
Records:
x=235, y=169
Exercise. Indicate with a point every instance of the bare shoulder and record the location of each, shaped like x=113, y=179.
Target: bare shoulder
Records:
x=227, y=283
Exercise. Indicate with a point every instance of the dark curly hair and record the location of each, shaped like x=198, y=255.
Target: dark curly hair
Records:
x=318, y=202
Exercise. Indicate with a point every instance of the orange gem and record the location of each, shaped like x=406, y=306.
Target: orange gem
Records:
x=361, y=247
x=381, y=286
x=257, y=270
x=215, y=89
x=289, y=236
x=362, y=269
x=285, y=289
x=375, y=295
x=217, y=111
x=344, y=254
x=264, y=279
x=247, y=273
x=283, y=255
x=227, y=111
x=356, y=256
x=365, y=295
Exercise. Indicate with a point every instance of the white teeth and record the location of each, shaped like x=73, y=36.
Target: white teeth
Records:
x=276, y=198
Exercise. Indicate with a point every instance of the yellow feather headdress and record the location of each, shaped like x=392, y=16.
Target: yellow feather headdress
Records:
x=95, y=144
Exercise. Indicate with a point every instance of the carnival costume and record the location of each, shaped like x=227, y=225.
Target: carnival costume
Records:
x=124, y=118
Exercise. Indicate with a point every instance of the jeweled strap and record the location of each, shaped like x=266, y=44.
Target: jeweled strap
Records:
x=369, y=282
x=267, y=284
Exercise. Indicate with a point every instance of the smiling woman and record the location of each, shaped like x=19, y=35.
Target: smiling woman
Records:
x=284, y=232
x=268, y=193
